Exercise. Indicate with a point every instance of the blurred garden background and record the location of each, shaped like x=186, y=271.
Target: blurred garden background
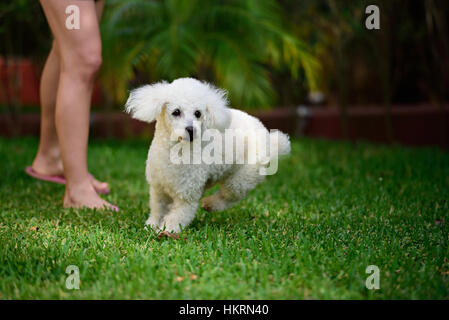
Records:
x=307, y=67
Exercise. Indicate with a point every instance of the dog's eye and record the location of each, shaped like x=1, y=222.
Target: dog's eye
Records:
x=176, y=113
x=197, y=114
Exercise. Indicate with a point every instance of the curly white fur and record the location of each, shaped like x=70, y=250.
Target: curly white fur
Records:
x=176, y=189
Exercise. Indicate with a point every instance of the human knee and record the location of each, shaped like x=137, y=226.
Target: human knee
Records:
x=86, y=61
x=91, y=60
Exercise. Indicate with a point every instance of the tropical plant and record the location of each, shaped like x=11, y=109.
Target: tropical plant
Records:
x=23, y=30
x=21, y=34
x=235, y=43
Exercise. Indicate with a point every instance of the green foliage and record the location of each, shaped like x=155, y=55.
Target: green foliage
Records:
x=236, y=44
x=309, y=231
x=404, y=61
x=265, y=52
x=23, y=29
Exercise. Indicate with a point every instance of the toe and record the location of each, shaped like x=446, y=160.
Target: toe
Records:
x=110, y=206
x=101, y=187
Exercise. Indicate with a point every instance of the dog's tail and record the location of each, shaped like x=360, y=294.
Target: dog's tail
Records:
x=272, y=145
x=280, y=141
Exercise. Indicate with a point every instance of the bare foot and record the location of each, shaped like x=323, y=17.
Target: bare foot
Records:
x=50, y=164
x=85, y=196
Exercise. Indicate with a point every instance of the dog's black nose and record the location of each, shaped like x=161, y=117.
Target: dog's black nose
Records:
x=189, y=129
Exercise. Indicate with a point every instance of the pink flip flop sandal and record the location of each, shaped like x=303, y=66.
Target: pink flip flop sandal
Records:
x=60, y=179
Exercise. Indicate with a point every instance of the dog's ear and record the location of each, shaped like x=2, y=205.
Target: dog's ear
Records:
x=146, y=103
x=218, y=115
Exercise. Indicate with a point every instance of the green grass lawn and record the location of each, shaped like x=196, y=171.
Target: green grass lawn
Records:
x=309, y=232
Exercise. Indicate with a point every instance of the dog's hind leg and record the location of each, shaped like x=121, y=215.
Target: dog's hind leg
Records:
x=219, y=201
x=159, y=205
x=233, y=189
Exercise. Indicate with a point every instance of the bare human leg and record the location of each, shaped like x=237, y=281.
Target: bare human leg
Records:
x=48, y=158
x=80, y=57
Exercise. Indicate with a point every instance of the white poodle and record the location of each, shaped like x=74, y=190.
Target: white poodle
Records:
x=184, y=111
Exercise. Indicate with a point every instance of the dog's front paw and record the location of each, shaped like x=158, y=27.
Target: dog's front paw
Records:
x=171, y=224
x=153, y=224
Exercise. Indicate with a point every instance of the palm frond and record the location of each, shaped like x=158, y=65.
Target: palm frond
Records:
x=238, y=41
